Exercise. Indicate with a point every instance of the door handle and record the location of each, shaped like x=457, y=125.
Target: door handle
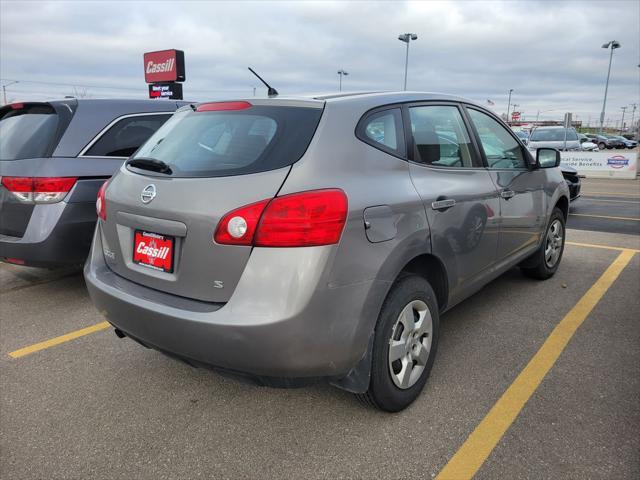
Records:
x=443, y=204
x=507, y=194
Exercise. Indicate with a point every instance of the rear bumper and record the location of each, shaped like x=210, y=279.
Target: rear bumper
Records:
x=279, y=326
x=57, y=234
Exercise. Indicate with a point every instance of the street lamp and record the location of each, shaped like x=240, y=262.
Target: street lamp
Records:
x=342, y=73
x=509, y=103
x=4, y=90
x=613, y=44
x=406, y=38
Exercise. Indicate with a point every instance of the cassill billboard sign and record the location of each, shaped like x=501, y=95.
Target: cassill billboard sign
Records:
x=164, y=66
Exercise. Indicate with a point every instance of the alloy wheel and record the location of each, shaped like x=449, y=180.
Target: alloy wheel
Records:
x=553, y=243
x=410, y=344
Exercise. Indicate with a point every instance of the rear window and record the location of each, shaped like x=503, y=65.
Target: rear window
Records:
x=224, y=143
x=553, y=135
x=126, y=136
x=27, y=132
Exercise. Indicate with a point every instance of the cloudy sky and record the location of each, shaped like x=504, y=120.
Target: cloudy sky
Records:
x=549, y=52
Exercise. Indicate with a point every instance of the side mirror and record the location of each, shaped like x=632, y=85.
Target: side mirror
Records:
x=548, y=157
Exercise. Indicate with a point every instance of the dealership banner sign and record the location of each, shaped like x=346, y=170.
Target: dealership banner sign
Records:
x=169, y=90
x=603, y=164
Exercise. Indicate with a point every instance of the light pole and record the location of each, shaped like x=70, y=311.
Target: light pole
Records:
x=613, y=44
x=624, y=109
x=509, y=103
x=406, y=38
x=342, y=73
x=4, y=90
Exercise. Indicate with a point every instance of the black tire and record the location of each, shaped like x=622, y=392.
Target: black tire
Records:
x=536, y=266
x=602, y=146
x=383, y=392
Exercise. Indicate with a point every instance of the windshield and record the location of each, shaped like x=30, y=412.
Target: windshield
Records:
x=553, y=135
x=27, y=131
x=223, y=143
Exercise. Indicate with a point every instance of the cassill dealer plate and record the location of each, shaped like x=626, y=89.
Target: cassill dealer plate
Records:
x=153, y=250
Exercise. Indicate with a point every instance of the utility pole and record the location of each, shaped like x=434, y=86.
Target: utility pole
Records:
x=624, y=109
x=633, y=116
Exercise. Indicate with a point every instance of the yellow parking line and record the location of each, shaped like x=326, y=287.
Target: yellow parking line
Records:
x=58, y=340
x=604, y=216
x=605, y=247
x=479, y=445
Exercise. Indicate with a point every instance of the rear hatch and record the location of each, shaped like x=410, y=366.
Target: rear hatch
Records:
x=164, y=205
x=29, y=133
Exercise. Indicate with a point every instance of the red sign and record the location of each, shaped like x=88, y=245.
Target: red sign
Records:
x=515, y=116
x=164, y=66
x=153, y=250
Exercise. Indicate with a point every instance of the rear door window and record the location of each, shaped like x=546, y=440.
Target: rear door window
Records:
x=126, y=136
x=232, y=142
x=27, y=131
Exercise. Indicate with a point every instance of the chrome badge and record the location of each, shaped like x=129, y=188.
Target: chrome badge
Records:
x=148, y=193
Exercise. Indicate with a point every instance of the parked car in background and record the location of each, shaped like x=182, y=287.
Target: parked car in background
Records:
x=627, y=143
x=54, y=156
x=523, y=135
x=587, y=144
x=604, y=141
x=573, y=180
x=554, y=137
x=296, y=240
x=616, y=141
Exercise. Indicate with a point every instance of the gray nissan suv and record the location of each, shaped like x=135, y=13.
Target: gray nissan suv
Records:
x=295, y=240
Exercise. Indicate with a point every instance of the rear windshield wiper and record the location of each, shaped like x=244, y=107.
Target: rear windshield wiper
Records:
x=148, y=163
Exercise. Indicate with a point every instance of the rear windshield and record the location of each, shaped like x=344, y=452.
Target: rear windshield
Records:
x=223, y=143
x=27, y=132
x=553, y=135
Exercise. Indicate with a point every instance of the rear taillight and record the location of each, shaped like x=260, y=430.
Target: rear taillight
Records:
x=303, y=219
x=238, y=226
x=39, y=189
x=101, y=206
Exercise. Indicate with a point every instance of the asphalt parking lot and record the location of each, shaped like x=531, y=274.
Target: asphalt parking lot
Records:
x=532, y=380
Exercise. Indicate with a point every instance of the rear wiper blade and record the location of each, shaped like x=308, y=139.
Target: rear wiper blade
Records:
x=148, y=163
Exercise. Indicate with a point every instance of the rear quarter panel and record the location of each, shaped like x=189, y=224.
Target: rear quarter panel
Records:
x=336, y=158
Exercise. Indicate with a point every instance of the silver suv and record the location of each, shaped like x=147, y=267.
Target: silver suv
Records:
x=554, y=137
x=294, y=240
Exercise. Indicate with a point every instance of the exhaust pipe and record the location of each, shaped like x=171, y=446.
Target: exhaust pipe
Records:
x=119, y=333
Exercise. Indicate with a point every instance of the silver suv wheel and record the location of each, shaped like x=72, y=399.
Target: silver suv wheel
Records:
x=553, y=245
x=410, y=344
